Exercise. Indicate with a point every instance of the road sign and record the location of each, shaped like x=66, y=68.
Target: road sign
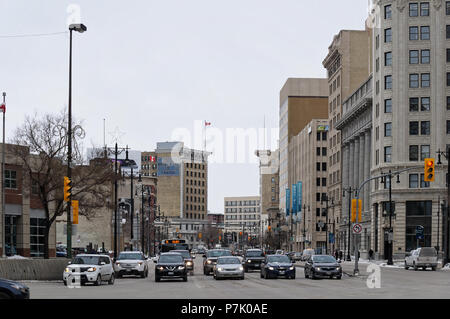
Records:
x=419, y=232
x=357, y=229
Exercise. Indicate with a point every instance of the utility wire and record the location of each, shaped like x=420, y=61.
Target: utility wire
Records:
x=32, y=35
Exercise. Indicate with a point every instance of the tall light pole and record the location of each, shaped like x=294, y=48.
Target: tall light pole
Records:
x=445, y=215
x=349, y=191
x=79, y=28
x=3, y=108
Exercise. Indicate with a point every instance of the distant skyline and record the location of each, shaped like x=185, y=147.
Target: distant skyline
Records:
x=151, y=67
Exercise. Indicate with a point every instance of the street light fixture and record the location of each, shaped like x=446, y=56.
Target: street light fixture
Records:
x=78, y=28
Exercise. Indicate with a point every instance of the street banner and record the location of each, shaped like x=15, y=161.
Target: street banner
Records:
x=294, y=200
x=288, y=201
x=300, y=196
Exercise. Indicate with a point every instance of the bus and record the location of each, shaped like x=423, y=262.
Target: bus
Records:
x=173, y=244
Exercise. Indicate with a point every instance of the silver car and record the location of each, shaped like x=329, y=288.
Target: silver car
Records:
x=131, y=263
x=228, y=267
x=422, y=258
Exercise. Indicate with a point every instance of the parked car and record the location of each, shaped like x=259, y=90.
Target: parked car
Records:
x=170, y=265
x=131, y=263
x=322, y=266
x=307, y=253
x=188, y=259
x=13, y=290
x=228, y=267
x=90, y=268
x=253, y=259
x=210, y=259
x=422, y=258
x=275, y=266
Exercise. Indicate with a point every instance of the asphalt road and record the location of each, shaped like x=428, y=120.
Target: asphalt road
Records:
x=395, y=283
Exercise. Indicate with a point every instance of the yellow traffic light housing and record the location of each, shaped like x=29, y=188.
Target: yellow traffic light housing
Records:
x=67, y=189
x=354, y=211
x=429, y=170
x=75, y=212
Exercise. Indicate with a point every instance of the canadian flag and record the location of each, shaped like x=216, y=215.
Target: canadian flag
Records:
x=3, y=107
x=207, y=123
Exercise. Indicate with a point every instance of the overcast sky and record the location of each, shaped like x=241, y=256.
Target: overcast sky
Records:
x=149, y=67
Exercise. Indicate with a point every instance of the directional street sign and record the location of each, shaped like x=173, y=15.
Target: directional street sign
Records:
x=357, y=228
x=419, y=232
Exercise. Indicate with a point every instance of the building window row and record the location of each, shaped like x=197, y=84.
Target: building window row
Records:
x=424, y=9
x=424, y=80
x=425, y=104
x=424, y=33
x=414, y=152
x=425, y=128
x=423, y=56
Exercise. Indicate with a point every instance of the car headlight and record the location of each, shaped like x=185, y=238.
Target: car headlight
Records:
x=180, y=267
x=19, y=287
x=220, y=269
x=67, y=270
x=189, y=263
x=208, y=261
x=140, y=263
x=291, y=268
x=241, y=268
x=271, y=268
x=248, y=261
x=317, y=268
x=117, y=263
x=338, y=268
x=160, y=268
x=92, y=269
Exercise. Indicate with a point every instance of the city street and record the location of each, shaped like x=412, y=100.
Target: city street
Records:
x=395, y=283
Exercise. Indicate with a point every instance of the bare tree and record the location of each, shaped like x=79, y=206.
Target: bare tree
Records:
x=40, y=144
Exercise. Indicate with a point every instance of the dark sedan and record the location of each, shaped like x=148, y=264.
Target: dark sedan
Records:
x=13, y=290
x=170, y=265
x=275, y=266
x=253, y=259
x=188, y=259
x=322, y=266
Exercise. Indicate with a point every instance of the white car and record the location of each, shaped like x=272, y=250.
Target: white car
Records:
x=228, y=267
x=89, y=268
x=131, y=263
x=422, y=258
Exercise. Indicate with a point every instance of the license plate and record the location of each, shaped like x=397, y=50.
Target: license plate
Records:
x=128, y=270
x=170, y=273
x=328, y=272
x=282, y=272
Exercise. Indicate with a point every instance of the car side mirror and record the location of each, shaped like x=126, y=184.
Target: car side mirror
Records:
x=102, y=263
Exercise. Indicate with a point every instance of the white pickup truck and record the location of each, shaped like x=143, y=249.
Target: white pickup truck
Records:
x=422, y=258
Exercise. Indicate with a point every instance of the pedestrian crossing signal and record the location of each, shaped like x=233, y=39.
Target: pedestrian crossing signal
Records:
x=429, y=170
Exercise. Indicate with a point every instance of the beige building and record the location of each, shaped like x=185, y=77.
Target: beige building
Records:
x=348, y=64
x=242, y=214
x=308, y=164
x=268, y=187
x=301, y=100
x=411, y=119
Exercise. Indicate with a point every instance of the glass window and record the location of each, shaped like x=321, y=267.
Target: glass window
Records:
x=448, y=55
x=414, y=80
x=424, y=9
x=424, y=152
x=413, y=152
x=423, y=184
x=425, y=128
x=10, y=179
x=447, y=7
x=377, y=41
x=425, y=57
x=377, y=64
x=414, y=104
x=318, y=167
x=388, y=12
x=448, y=102
x=425, y=33
x=387, y=129
x=324, y=167
x=448, y=31
x=413, y=9
x=388, y=59
x=387, y=154
x=448, y=79
x=414, y=33
x=324, y=151
x=448, y=127
x=388, y=106
x=425, y=80
x=413, y=181
x=388, y=35
x=425, y=104
x=37, y=231
x=318, y=151
x=388, y=82
x=414, y=128
x=414, y=57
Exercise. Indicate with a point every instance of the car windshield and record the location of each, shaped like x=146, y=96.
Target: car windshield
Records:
x=218, y=253
x=254, y=253
x=428, y=252
x=228, y=261
x=130, y=256
x=278, y=259
x=324, y=259
x=86, y=260
x=171, y=259
x=184, y=253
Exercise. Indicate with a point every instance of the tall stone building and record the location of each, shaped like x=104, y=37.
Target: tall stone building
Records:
x=301, y=100
x=411, y=119
x=348, y=65
x=308, y=164
x=242, y=214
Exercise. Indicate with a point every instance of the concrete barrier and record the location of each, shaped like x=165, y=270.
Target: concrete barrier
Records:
x=33, y=269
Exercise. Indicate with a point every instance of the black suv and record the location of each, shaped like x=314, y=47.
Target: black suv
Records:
x=170, y=265
x=210, y=259
x=253, y=259
x=188, y=259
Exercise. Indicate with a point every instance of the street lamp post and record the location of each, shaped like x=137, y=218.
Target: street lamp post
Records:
x=349, y=191
x=446, y=219
x=79, y=28
x=3, y=180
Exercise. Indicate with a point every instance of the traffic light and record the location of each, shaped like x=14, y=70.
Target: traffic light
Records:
x=75, y=212
x=67, y=188
x=354, y=210
x=429, y=170
x=269, y=227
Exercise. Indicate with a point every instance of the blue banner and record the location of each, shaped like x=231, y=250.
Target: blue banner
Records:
x=288, y=201
x=299, y=201
x=294, y=200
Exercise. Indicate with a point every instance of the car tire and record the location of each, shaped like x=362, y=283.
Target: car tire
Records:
x=313, y=276
x=293, y=277
x=433, y=268
x=142, y=275
x=339, y=277
x=146, y=273
x=98, y=282
x=4, y=295
x=205, y=272
x=415, y=267
x=65, y=282
x=157, y=279
x=242, y=278
x=306, y=275
x=119, y=276
x=261, y=274
x=406, y=266
x=111, y=280
x=185, y=278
